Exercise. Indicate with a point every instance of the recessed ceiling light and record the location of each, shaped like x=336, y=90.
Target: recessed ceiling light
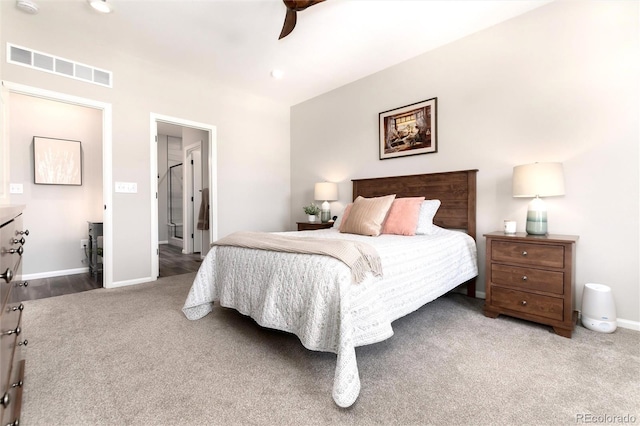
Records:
x=28, y=6
x=101, y=6
x=277, y=74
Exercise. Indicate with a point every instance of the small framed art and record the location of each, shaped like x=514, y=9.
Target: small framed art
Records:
x=57, y=161
x=409, y=130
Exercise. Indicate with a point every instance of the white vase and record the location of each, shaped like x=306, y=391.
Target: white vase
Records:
x=312, y=218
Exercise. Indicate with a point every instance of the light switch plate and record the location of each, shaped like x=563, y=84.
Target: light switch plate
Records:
x=16, y=188
x=126, y=187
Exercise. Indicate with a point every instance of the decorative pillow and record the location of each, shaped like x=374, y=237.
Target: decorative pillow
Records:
x=428, y=210
x=367, y=215
x=403, y=216
x=342, y=219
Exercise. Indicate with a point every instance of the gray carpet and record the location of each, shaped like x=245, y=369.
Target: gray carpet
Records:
x=128, y=356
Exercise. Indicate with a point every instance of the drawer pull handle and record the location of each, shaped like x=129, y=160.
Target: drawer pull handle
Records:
x=8, y=275
x=10, y=332
x=523, y=303
x=17, y=384
x=23, y=343
x=16, y=241
x=23, y=232
x=524, y=253
x=524, y=278
x=5, y=400
x=19, y=250
x=18, y=308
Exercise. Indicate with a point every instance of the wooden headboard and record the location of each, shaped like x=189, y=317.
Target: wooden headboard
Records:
x=455, y=190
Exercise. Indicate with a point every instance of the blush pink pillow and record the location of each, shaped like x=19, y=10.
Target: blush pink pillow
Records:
x=345, y=215
x=403, y=216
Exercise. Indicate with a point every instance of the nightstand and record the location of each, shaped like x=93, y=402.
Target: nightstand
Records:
x=532, y=278
x=312, y=226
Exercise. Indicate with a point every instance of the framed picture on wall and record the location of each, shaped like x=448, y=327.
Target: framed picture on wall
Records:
x=409, y=130
x=57, y=161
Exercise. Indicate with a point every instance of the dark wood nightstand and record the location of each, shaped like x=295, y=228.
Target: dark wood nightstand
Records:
x=312, y=226
x=532, y=278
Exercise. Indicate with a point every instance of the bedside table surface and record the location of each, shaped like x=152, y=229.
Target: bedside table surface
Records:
x=524, y=237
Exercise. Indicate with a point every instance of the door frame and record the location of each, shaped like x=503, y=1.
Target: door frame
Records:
x=212, y=162
x=107, y=171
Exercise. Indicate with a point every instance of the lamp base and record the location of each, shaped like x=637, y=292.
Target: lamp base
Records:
x=537, y=217
x=325, y=212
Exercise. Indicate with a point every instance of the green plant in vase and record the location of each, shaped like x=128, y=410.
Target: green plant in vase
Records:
x=312, y=210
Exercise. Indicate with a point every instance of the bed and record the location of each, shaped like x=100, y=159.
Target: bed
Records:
x=315, y=297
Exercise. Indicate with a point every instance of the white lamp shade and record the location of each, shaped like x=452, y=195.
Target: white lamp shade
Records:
x=538, y=180
x=326, y=191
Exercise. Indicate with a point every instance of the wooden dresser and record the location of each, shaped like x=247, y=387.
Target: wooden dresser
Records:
x=12, y=239
x=532, y=278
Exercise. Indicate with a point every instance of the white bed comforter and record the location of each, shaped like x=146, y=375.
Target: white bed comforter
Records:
x=312, y=296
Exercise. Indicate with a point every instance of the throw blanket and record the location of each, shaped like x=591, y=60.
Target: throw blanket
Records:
x=359, y=257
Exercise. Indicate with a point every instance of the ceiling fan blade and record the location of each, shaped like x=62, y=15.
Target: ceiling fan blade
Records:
x=289, y=23
x=290, y=18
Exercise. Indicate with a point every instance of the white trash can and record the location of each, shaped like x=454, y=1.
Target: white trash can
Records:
x=598, y=308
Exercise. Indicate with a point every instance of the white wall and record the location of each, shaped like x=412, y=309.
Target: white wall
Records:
x=56, y=215
x=252, y=132
x=559, y=83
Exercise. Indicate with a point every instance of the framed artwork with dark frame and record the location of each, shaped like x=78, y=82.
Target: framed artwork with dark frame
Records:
x=409, y=130
x=57, y=161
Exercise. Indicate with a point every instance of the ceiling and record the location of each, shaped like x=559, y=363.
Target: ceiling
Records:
x=236, y=42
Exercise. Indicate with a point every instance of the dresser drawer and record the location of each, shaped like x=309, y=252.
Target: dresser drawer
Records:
x=548, y=256
x=529, y=303
x=527, y=278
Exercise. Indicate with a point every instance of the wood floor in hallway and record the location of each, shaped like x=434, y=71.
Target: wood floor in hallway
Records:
x=172, y=262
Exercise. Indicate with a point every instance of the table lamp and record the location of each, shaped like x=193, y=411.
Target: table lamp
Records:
x=326, y=191
x=538, y=180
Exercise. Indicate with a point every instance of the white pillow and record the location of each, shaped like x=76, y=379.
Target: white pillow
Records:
x=428, y=210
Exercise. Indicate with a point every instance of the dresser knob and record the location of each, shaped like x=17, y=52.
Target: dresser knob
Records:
x=5, y=400
x=524, y=253
x=524, y=278
x=18, y=308
x=17, y=384
x=23, y=284
x=19, y=250
x=10, y=332
x=23, y=232
x=23, y=343
x=523, y=303
x=8, y=275
x=20, y=241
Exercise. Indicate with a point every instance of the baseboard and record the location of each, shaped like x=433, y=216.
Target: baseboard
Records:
x=131, y=282
x=631, y=325
x=163, y=242
x=50, y=274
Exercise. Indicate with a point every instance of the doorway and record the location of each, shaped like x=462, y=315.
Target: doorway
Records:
x=193, y=175
x=106, y=112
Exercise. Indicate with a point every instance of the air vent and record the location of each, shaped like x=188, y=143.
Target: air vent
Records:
x=56, y=65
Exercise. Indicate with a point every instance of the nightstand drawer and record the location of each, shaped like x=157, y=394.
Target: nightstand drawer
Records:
x=527, y=278
x=534, y=304
x=549, y=256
